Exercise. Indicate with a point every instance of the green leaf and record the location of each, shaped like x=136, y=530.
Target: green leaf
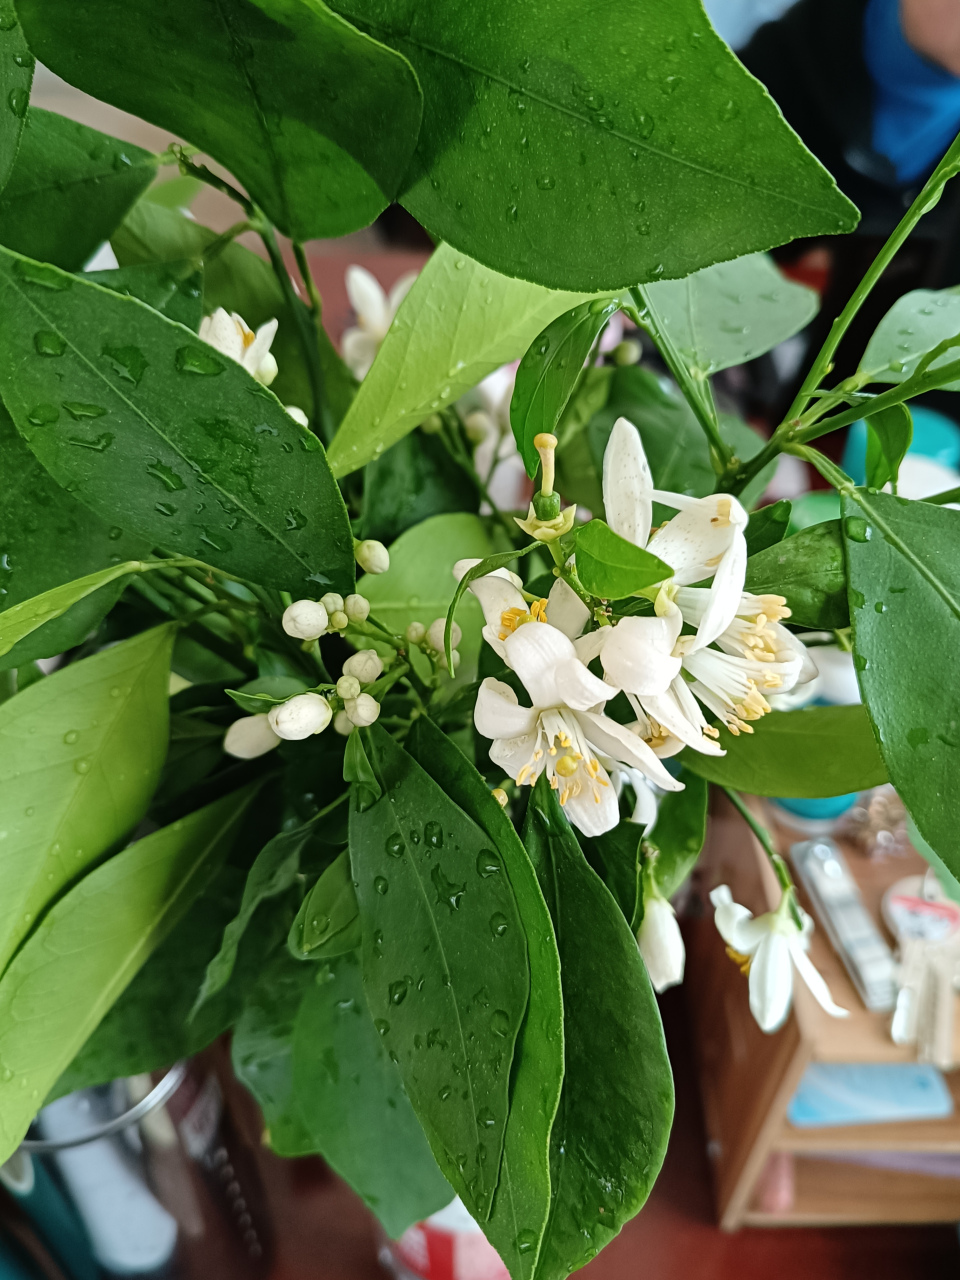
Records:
x=173, y=439
x=16, y=76
x=307, y=1049
x=610, y=1134
x=50, y=540
x=149, y=1027
x=731, y=313
x=80, y=755
x=328, y=922
x=358, y=770
x=904, y=564
x=522, y=1199
x=444, y=964
x=817, y=751
x=238, y=280
x=616, y=858
x=888, y=439
x=915, y=325
x=611, y=567
x=678, y=833
x=419, y=584
x=807, y=568
x=88, y=947
x=459, y=322
x=316, y=120
x=173, y=288
x=585, y=148
x=768, y=526
x=550, y=371
x=415, y=479
x=274, y=871
x=69, y=189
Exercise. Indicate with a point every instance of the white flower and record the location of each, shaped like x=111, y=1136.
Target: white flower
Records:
x=659, y=940
x=769, y=947
x=233, y=337
x=366, y=666
x=372, y=556
x=362, y=710
x=375, y=311
x=564, y=731
x=496, y=459
x=249, y=737
x=305, y=620
x=297, y=415
x=300, y=717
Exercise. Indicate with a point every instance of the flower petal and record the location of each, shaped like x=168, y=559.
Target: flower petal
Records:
x=260, y=346
x=591, y=645
x=627, y=484
x=512, y=754
x=814, y=980
x=400, y=290
x=221, y=332
x=729, y=917
x=617, y=742
x=368, y=301
x=725, y=592
x=646, y=807
x=565, y=610
x=498, y=714
x=534, y=651
x=496, y=594
x=359, y=350
x=771, y=982
x=674, y=715
x=694, y=542
x=593, y=810
x=579, y=688
x=637, y=656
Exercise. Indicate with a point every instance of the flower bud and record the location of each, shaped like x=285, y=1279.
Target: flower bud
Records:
x=339, y=621
x=348, y=687
x=300, y=716
x=249, y=737
x=478, y=425
x=362, y=710
x=305, y=620
x=372, y=556
x=627, y=352
x=365, y=665
x=415, y=633
x=332, y=602
x=266, y=370
x=297, y=415
x=357, y=608
x=431, y=424
x=343, y=724
x=660, y=943
x=442, y=660
x=435, y=634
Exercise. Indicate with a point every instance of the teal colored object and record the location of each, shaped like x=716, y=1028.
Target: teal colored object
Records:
x=813, y=508
x=948, y=881
x=934, y=436
x=868, y=1093
x=826, y=807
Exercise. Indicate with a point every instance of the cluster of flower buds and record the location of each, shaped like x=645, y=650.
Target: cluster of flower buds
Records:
x=430, y=640
x=371, y=556
x=310, y=619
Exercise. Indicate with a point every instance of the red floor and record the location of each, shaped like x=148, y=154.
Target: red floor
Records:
x=326, y=1233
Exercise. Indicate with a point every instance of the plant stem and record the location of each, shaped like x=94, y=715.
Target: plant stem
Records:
x=465, y=462
x=780, y=867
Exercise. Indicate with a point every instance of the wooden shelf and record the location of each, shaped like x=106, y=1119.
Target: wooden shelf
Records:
x=828, y=1192
x=941, y=1135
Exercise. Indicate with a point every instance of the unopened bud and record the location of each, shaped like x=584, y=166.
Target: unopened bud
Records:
x=435, y=634
x=339, y=621
x=415, y=633
x=627, y=352
x=366, y=666
x=332, y=602
x=357, y=608
x=478, y=425
x=660, y=942
x=372, y=556
x=362, y=710
x=300, y=716
x=249, y=737
x=342, y=724
x=305, y=620
x=297, y=415
x=432, y=424
x=348, y=687
x=266, y=370
x=442, y=660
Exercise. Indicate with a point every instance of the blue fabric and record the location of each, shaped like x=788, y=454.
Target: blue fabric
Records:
x=916, y=111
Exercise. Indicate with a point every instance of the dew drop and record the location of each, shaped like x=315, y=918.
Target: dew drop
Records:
x=645, y=124
x=414, y=835
x=488, y=864
x=486, y=1118
x=29, y=811
x=729, y=111
x=165, y=508
x=382, y=1025
x=71, y=737
x=295, y=519
x=166, y=475
x=546, y=183
x=197, y=360
x=397, y=991
x=433, y=834
x=78, y=410
x=8, y=21
x=82, y=766
x=498, y=924
x=381, y=885
x=18, y=100
x=128, y=363
x=394, y=845
x=500, y=1022
x=525, y=1241
x=856, y=528
x=41, y=415
x=48, y=342
x=445, y=1092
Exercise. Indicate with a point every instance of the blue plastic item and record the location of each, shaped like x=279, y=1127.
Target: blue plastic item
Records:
x=825, y=807
x=835, y=1093
x=934, y=436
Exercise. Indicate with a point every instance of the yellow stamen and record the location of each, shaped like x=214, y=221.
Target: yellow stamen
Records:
x=249, y=338
x=741, y=961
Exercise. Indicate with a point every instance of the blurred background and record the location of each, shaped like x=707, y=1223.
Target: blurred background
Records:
x=830, y=1149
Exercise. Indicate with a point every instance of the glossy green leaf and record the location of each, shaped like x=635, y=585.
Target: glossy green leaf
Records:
x=69, y=189
x=307, y=1049
x=173, y=288
x=888, y=439
x=444, y=964
x=16, y=76
x=616, y=857
x=589, y=147
x=817, y=751
x=316, y=120
x=88, y=947
x=238, y=280
x=419, y=584
x=459, y=322
x=768, y=526
x=328, y=922
x=522, y=1200
x=610, y=1134
x=915, y=324
x=149, y=1027
x=550, y=370
x=904, y=560
x=732, y=312
x=150, y=427
x=611, y=567
x=678, y=833
x=358, y=770
x=415, y=479
x=807, y=568
x=50, y=540
x=80, y=755
x=274, y=871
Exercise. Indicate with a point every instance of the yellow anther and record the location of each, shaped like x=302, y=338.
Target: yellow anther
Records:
x=567, y=765
x=249, y=338
x=565, y=795
x=740, y=960
x=500, y=796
